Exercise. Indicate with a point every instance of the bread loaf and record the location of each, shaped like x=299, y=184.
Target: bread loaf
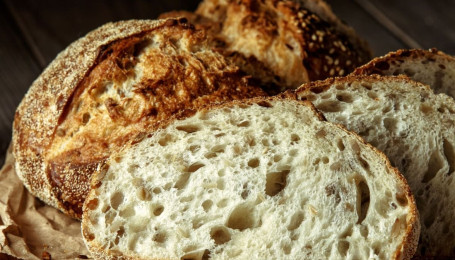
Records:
x=431, y=67
x=415, y=128
x=102, y=90
x=293, y=41
x=259, y=179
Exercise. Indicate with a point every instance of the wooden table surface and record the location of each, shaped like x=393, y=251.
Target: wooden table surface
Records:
x=33, y=32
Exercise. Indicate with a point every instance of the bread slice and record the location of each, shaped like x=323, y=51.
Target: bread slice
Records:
x=415, y=128
x=259, y=179
x=431, y=67
x=105, y=88
x=289, y=39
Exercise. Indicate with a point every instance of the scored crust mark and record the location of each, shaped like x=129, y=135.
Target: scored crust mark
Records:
x=133, y=82
x=287, y=43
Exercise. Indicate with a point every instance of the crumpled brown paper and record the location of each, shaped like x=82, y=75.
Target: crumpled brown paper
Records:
x=29, y=229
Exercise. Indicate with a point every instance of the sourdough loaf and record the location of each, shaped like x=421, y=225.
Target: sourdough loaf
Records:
x=294, y=41
x=102, y=90
x=262, y=179
x=415, y=128
x=431, y=67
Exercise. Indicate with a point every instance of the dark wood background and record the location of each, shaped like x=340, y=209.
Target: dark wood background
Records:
x=33, y=32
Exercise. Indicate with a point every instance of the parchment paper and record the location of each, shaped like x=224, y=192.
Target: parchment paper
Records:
x=29, y=229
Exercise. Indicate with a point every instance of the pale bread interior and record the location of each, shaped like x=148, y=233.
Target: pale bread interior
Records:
x=250, y=181
x=415, y=129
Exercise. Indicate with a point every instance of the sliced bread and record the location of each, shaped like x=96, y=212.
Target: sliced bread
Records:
x=260, y=179
x=431, y=67
x=415, y=128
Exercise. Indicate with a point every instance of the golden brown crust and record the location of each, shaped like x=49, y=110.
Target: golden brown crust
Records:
x=381, y=64
x=293, y=44
x=118, y=80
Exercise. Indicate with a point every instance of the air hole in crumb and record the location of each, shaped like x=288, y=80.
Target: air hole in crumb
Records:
x=293, y=152
x=222, y=203
x=425, y=108
x=310, y=97
x=109, y=217
x=401, y=199
x=336, y=166
x=196, y=255
x=340, y=145
x=85, y=118
x=127, y=212
x=363, y=199
x=277, y=158
x=105, y=208
x=321, y=133
x=158, y=210
x=397, y=227
x=372, y=95
x=241, y=218
x=218, y=148
x=434, y=165
x=93, y=204
x=345, y=97
x=187, y=198
x=449, y=153
x=329, y=106
x=197, y=223
x=276, y=181
x=194, y=148
x=89, y=236
x=343, y=247
x=265, y=142
x=367, y=86
x=207, y=205
x=165, y=140
x=244, y=124
x=296, y=220
x=390, y=124
x=220, y=235
x=210, y=155
x=137, y=182
x=116, y=200
x=156, y=190
x=387, y=109
x=253, y=163
x=183, y=180
x=133, y=168
x=364, y=231
x=295, y=138
x=286, y=248
x=195, y=166
x=340, y=87
x=325, y=160
x=245, y=191
x=188, y=128
x=143, y=194
x=220, y=184
x=160, y=237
